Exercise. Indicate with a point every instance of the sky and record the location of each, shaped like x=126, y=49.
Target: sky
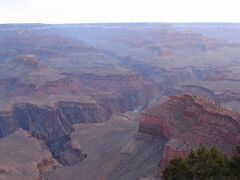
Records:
x=109, y=11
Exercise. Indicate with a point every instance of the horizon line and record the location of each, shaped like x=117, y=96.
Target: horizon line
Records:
x=122, y=22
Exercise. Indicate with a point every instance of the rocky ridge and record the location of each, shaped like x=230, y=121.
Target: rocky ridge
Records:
x=189, y=122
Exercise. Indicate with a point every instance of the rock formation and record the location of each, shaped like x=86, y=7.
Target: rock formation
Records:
x=24, y=157
x=189, y=122
x=53, y=125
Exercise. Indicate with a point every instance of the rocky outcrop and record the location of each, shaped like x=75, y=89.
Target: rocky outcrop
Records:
x=190, y=122
x=46, y=166
x=23, y=157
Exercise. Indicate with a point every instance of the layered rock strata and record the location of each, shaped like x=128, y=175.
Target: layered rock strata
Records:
x=189, y=122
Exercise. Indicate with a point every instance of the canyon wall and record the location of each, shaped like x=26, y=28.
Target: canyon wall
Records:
x=189, y=122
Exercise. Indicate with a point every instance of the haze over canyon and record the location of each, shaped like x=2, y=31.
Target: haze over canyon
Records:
x=115, y=101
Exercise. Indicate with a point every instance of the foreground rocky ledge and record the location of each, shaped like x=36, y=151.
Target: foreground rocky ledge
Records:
x=24, y=157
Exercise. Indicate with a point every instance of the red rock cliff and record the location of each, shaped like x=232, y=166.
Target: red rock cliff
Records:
x=189, y=122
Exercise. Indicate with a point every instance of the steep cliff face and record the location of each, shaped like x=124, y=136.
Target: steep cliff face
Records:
x=189, y=122
x=45, y=122
x=53, y=125
x=82, y=113
x=7, y=124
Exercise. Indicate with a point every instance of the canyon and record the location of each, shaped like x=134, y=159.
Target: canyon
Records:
x=114, y=101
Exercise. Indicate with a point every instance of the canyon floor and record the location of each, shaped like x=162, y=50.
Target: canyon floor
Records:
x=114, y=151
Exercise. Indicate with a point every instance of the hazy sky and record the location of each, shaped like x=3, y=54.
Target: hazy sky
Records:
x=88, y=11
